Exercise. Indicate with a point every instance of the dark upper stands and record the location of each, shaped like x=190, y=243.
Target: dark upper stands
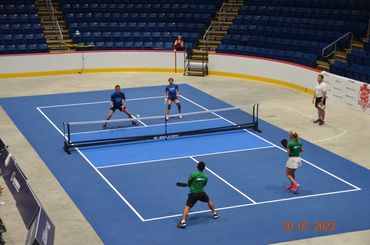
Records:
x=294, y=30
x=141, y=24
x=357, y=67
x=20, y=29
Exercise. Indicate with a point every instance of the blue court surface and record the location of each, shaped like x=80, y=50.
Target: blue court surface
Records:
x=127, y=191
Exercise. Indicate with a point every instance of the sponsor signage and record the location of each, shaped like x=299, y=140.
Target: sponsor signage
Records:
x=348, y=92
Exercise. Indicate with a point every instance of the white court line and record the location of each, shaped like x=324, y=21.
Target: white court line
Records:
x=308, y=116
x=313, y=165
x=227, y=183
x=97, y=102
x=223, y=208
x=96, y=170
x=252, y=204
x=151, y=125
x=182, y=157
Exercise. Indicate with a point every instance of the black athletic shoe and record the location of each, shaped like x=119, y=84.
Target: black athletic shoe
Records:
x=181, y=225
x=317, y=121
x=104, y=126
x=321, y=123
x=215, y=216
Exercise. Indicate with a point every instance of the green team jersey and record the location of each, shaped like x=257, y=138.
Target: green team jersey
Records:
x=295, y=147
x=198, y=181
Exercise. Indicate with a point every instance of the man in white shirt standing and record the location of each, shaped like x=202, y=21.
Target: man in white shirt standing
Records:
x=319, y=99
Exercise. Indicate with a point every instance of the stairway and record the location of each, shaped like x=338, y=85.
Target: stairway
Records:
x=197, y=59
x=358, y=43
x=54, y=26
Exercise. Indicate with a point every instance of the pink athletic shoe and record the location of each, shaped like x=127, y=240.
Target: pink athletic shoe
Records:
x=295, y=188
x=289, y=187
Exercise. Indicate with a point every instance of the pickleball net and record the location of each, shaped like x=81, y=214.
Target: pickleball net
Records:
x=91, y=133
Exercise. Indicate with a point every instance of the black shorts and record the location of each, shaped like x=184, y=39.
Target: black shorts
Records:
x=114, y=108
x=194, y=197
x=318, y=101
x=173, y=98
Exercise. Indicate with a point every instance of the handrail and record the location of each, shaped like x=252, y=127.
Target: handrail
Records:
x=205, y=36
x=56, y=25
x=335, y=45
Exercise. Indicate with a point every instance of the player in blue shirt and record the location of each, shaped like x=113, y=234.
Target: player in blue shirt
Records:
x=118, y=101
x=171, y=94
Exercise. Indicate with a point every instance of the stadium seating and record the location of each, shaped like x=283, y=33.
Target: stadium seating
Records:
x=292, y=30
x=125, y=24
x=357, y=67
x=20, y=28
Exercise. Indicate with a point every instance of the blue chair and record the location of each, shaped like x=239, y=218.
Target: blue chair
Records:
x=138, y=45
x=109, y=45
x=168, y=46
x=29, y=38
x=8, y=39
x=118, y=45
x=43, y=47
x=39, y=37
x=99, y=45
x=128, y=45
x=158, y=46
x=21, y=48
x=2, y=49
x=148, y=45
x=11, y=49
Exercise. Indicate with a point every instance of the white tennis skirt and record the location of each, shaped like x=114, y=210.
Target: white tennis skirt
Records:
x=293, y=162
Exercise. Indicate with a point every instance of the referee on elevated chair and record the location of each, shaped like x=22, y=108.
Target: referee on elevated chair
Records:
x=196, y=182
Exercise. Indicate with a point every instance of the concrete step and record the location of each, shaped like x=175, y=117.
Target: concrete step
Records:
x=323, y=68
x=209, y=42
x=233, y=4
x=226, y=13
x=50, y=22
x=340, y=55
x=207, y=46
x=225, y=18
x=217, y=32
x=358, y=44
x=51, y=32
x=224, y=23
x=322, y=63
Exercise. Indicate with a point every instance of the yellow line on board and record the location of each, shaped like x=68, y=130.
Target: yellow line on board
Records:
x=263, y=79
x=167, y=70
x=97, y=70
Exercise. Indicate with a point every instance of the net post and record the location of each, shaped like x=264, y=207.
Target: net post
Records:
x=68, y=140
x=165, y=127
x=255, y=117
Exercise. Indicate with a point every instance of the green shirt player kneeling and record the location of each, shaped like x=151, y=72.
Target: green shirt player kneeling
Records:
x=196, y=182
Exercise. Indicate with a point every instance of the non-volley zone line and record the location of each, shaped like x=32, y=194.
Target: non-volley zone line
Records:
x=183, y=157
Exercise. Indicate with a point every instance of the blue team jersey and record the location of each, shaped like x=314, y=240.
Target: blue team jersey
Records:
x=171, y=91
x=117, y=99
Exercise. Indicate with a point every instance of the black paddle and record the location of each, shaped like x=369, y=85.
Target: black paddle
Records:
x=284, y=143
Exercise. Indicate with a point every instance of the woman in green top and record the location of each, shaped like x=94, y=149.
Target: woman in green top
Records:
x=294, y=148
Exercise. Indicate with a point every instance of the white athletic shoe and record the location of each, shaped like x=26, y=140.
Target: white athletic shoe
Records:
x=180, y=116
x=167, y=118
